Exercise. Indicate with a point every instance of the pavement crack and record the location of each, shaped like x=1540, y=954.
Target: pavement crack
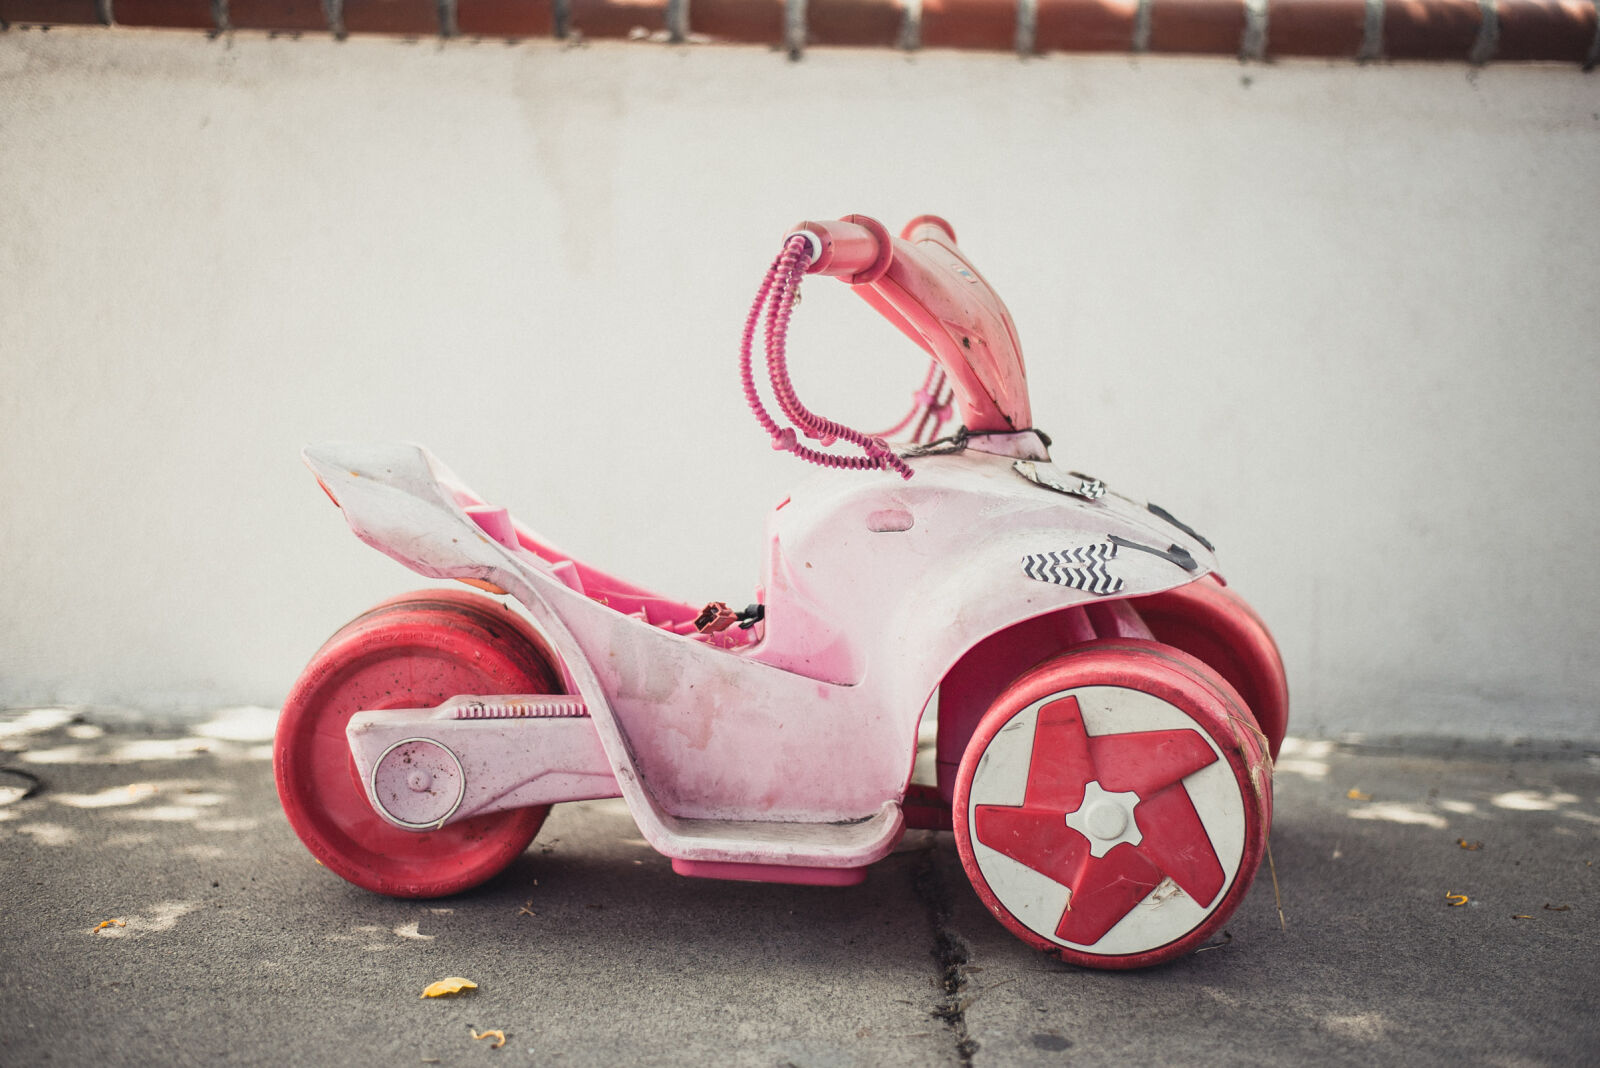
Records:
x=950, y=952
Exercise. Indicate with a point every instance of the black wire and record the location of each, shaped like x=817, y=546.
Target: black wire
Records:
x=958, y=441
x=37, y=783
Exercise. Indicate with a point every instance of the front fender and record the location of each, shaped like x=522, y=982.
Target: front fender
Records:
x=968, y=630
x=1080, y=552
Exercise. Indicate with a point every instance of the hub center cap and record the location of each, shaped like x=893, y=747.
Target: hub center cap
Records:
x=418, y=783
x=1106, y=819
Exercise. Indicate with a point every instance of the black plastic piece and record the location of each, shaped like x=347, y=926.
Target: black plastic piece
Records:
x=33, y=784
x=1176, y=553
x=1161, y=513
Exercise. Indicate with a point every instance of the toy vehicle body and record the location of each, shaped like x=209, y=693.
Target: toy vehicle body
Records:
x=1106, y=707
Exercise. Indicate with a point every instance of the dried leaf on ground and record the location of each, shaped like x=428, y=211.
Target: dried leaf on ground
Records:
x=103, y=924
x=1557, y=908
x=1471, y=846
x=452, y=985
x=498, y=1036
x=1456, y=900
x=1356, y=795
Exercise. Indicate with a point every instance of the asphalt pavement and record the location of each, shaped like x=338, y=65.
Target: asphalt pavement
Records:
x=1438, y=900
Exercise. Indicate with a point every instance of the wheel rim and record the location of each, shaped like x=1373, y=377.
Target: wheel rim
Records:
x=413, y=652
x=1103, y=811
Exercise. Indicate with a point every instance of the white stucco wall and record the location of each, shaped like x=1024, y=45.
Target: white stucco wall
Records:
x=1343, y=320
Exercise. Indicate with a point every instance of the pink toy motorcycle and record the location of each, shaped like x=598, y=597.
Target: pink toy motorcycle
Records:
x=1107, y=710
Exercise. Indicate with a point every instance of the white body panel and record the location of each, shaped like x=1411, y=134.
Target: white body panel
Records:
x=796, y=749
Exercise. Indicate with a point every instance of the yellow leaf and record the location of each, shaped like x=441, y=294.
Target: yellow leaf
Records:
x=103, y=924
x=498, y=1036
x=1456, y=900
x=1356, y=795
x=453, y=985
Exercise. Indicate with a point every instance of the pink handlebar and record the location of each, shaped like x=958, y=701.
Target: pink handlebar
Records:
x=856, y=248
x=922, y=284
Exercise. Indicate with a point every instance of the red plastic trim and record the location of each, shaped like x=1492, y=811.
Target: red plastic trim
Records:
x=768, y=873
x=925, y=809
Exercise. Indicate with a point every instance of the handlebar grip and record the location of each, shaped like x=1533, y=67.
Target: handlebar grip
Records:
x=856, y=248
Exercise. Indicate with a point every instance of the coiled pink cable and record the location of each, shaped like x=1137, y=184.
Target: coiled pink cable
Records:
x=776, y=299
x=930, y=408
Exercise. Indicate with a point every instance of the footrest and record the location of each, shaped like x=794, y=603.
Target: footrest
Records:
x=724, y=849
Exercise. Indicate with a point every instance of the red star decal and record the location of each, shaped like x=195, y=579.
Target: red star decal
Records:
x=1153, y=764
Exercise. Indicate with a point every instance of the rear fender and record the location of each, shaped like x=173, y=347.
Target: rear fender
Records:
x=1030, y=593
x=403, y=502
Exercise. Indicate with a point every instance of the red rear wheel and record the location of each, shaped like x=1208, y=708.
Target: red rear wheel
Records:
x=1213, y=624
x=1113, y=805
x=413, y=651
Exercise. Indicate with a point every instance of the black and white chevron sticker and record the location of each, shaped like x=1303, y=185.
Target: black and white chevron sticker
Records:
x=1083, y=568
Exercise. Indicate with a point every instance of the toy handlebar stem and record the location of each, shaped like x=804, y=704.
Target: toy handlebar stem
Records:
x=856, y=248
x=923, y=285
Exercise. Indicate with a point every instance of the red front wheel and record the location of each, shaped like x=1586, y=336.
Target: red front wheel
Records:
x=1113, y=805
x=414, y=651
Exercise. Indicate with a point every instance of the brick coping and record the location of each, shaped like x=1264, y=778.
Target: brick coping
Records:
x=1467, y=31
